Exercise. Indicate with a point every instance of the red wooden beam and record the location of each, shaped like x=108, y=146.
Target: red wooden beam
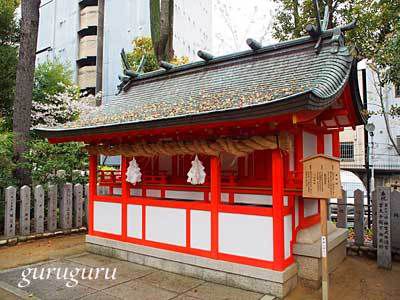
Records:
x=125, y=193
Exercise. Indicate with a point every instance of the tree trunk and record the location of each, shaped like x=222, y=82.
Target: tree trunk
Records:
x=296, y=16
x=161, y=23
x=99, y=55
x=24, y=83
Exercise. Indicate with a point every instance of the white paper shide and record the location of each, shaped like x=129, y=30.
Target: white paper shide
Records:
x=196, y=174
x=133, y=174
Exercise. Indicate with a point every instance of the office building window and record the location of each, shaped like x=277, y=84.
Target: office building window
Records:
x=347, y=150
x=398, y=142
x=397, y=91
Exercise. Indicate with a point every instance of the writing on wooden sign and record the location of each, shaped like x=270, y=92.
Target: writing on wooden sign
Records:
x=321, y=177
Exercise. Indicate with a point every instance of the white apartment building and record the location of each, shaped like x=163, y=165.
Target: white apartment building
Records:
x=383, y=155
x=68, y=32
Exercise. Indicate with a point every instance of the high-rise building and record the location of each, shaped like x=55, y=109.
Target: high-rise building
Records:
x=68, y=32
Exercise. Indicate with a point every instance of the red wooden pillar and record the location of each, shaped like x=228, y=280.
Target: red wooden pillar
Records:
x=320, y=143
x=215, y=166
x=335, y=144
x=125, y=193
x=92, y=188
x=277, y=208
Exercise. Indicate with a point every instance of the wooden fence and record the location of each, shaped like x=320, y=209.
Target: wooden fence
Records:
x=385, y=229
x=43, y=209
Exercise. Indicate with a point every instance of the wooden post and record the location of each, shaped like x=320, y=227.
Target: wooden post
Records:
x=321, y=180
x=215, y=200
x=92, y=188
x=324, y=247
x=277, y=209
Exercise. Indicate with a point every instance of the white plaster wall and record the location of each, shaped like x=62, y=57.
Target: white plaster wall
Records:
x=185, y=195
x=246, y=235
x=310, y=207
x=134, y=221
x=107, y=217
x=136, y=192
x=200, y=229
x=328, y=144
x=153, y=193
x=309, y=144
x=253, y=199
x=166, y=225
x=287, y=224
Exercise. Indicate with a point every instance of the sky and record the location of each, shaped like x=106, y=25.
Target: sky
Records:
x=236, y=20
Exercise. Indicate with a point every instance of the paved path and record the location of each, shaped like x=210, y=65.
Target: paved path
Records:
x=132, y=281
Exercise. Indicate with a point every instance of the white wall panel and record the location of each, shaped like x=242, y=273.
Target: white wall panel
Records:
x=166, y=225
x=153, y=193
x=291, y=153
x=136, y=192
x=107, y=217
x=287, y=224
x=186, y=195
x=200, y=229
x=253, y=199
x=309, y=144
x=310, y=207
x=246, y=235
x=328, y=144
x=285, y=200
x=134, y=221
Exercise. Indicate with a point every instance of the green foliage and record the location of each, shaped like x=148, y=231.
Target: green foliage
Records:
x=376, y=36
x=7, y=166
x=44, y=159
x=9, y=37
x=51, y=78
x=143, y=46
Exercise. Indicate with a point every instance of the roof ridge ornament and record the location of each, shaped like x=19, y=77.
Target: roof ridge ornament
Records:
x=322, y=25
x=128, y=72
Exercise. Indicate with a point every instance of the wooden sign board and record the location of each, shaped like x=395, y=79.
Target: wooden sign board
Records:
x=321, y=177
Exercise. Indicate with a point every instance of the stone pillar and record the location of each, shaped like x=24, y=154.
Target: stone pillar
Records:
x=395, y=221
x=383, y=226
x=39, y=209
x=66, y=207
x=25, y=211
x=86, y=204
x=52, y=208
x=342, y=211
x=78, y=202
x=359, y=217
x=10, y=210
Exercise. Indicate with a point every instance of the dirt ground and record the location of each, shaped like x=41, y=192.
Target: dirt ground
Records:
x=355, y=278
x=41, y=250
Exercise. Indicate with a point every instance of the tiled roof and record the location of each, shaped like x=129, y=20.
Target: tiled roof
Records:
x=277, y=73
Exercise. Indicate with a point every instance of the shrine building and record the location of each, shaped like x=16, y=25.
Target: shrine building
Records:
x=250, y=117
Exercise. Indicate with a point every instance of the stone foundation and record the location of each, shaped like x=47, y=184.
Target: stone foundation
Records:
x=246, y=277
x=307, y=253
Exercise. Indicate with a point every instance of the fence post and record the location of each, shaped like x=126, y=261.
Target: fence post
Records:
x=52, y=208
x=66, y=207
x=395, y=221
x=25, y=210
x=342, y=211
x=383, y=234
x=374, y=219
x=359, y=217
x=39, y=209
x=86, y=204
x=78, y=202
x=10, y=210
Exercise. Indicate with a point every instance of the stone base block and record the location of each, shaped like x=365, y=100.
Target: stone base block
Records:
x=246, y=277
x=308, y=256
